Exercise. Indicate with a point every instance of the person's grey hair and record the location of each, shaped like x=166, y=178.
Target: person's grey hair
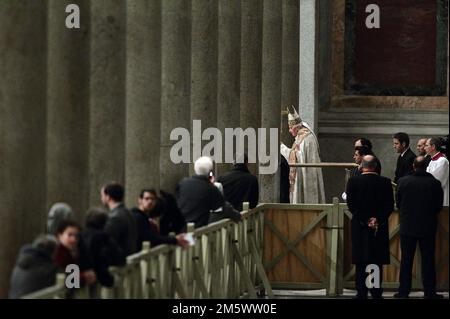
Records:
x=45, y=243
x=369, y=162
x=203, y=166
x=58, y=212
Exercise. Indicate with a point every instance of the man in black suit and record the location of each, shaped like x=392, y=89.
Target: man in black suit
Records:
x=406, y=158
x=239, y=185
x=197, y=197
x=120, y=224
x=370, y=201
x=361, y=141
x=152, y=206
x=419, y=198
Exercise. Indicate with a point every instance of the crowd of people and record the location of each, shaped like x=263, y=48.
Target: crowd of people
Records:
x=112, y=232
x=421, y=190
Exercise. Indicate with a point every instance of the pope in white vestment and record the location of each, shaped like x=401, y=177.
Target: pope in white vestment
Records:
x=306, y=183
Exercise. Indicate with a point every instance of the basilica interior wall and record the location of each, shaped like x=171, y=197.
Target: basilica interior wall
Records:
x=81, y=107
x=343, y=116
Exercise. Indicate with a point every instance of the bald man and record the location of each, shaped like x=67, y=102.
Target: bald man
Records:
x=421, y=150
x=370, y=201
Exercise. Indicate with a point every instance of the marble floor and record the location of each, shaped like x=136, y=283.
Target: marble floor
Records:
x=348, y=293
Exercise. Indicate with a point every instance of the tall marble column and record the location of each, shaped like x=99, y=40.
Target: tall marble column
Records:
x=175, y=86
x=107, y=95
x=271, y=88
x=228, y=81
x=143, y=98
x=308, y=87
x=22, y=128
x=251, y=63
x=68, y=107
x=203, y=69
x=290, y=62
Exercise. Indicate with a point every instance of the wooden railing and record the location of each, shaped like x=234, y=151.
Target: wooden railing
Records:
x=298, y=247
x=346, y=166
x=225, y=262
x=309, y=247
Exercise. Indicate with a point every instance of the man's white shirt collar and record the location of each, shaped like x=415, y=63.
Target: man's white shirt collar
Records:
x=404, y=152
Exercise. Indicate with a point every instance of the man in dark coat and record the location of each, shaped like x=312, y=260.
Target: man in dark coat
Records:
x=284, y=180
x=102, y=249
x=149, y=202
x=239, y=185
x=170, y=217
x=34, y=269
x=370, y=201
x=361, y=141
x=120, y=225
x=419, y=198
x=197, y=197
x=406, y=158
x=360, y=152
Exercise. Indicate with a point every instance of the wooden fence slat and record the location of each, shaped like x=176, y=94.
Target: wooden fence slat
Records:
x=260, y=268
x=245, y=276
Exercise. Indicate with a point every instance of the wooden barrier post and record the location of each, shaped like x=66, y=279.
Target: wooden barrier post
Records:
x=61, y=279
x=145, y=270
x=340, y=251
x=334, y=248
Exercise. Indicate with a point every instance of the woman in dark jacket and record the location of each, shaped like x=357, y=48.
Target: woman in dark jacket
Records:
x=69, y=251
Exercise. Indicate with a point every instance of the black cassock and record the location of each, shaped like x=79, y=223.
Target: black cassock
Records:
x=370, y=195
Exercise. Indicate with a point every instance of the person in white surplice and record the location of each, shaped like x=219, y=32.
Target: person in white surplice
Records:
x=439, y=166
x=306, y=183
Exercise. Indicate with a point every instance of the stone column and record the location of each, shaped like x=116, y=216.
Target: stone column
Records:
x=251, y=60
x=22, y=128
x=228, y=81
x=308, y=96
x=175, y=68
x=271, y=88
x=325, y=49
x=68, y=107
x=143, y=98
x=289, y=76
x=203, y=68
x=107, y=95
